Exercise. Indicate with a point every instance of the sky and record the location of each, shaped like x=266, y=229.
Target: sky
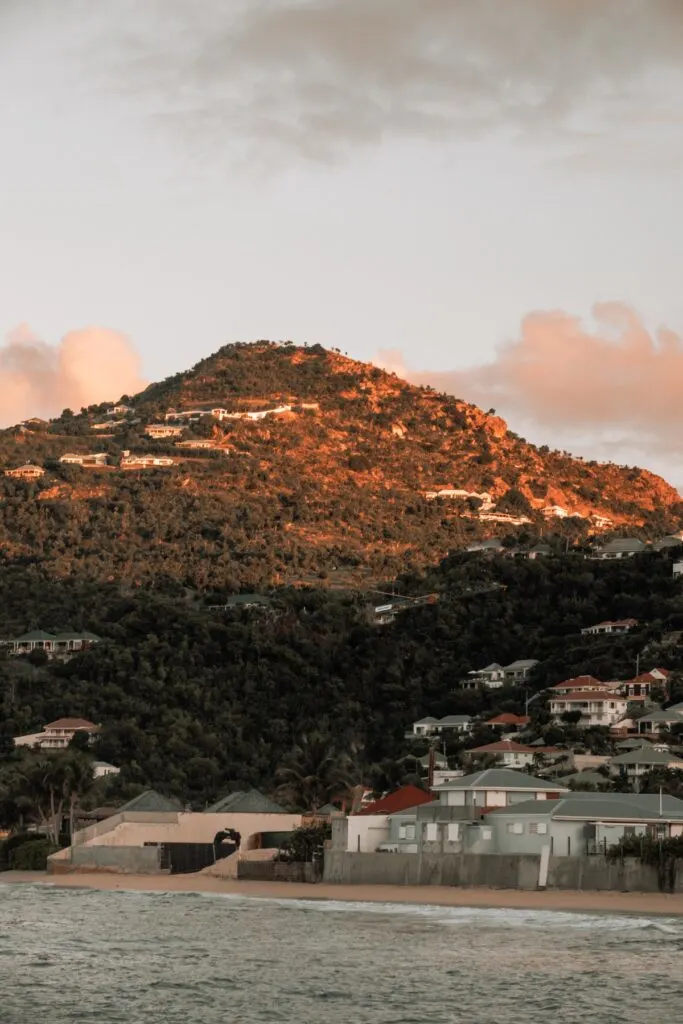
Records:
x=482, y=195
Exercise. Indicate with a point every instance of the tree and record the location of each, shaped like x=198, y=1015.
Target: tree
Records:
x=306, y=844
x=314, y=772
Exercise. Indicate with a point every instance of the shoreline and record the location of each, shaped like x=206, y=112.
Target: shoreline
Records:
x=649, y=904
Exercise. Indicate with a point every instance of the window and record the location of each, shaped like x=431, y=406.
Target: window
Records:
x=432, y=832
x=486, y=833
x=401, y=832
x=453, y=832
x=410, y=831
x=515, y=828
x=537, y=828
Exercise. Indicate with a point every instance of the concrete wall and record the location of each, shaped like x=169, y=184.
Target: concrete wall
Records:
x=276, y=871
x=133, y=860
x=185, y=827
x=497, y=871
x=365, y=832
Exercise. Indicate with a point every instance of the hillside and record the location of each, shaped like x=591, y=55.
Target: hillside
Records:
x=338, y=485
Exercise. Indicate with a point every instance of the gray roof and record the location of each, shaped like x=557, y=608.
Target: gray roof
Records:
x=663, y=716
x=601, y=807
x=667, y=542
x=645, y=755
x=83, y=635
x=426, y=721
x=498, y=778
x=250, y=802
x=633, y=743
x=150, y=800
x=523, y=663
x=455, y=720
x=588, y=777
x=439, y=760
x=35, y=634
x=623, y=544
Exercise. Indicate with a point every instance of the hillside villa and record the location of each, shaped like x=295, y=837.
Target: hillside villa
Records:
x=633, y=764
x=161, y=430
x=508, y=722
x=87, y=459
x=603, y=628
x=27, y=472
x=621, y=547
x=53, y=644
x=595, y=707
x=58, y=735
x=129, y=461
x=511, y=754
x=494, y=676
x=437, y=726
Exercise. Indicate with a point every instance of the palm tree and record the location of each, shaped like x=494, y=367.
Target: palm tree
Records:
x=314, y=772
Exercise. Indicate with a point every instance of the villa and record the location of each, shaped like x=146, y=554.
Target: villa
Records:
x=55, y=645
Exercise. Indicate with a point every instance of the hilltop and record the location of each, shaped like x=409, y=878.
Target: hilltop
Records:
x=295, y=464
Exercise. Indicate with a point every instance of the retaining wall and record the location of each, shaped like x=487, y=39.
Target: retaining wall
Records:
x=276, y=871
x=129, y=860
x=496, y=871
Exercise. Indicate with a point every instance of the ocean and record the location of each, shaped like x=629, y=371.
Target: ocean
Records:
x=77, y=955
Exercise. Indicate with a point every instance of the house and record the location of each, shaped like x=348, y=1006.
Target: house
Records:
x=145, y=461
x=644, y=684
x=581, y=683
x=161, y=430
x=53, y=644
x=57, y=735
x=437, y=726
x=554, y=512
x=487, y=547
x=582, y=824
x=633, y=764
x=621, y=547
x=366, y=831
x=508, y=722
x=27, y=472
x=510, y=753
x=88, y=459
x=458, y=818
x=119, y=410
x=242, y=601
x=101, y=769
x=245, y=802
x=677, y=569
x=674, y=540
x=596, y=707
x=659, y=721
x=494, y=675
x=601, y=628
x=539, y=551
x=196, y=443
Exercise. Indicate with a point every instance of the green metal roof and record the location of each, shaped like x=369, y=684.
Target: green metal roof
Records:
x=35, y=634
x=601, y=807
x=645, y=755
x=663, y=716
x=250, y=802
x=498, y=778
x=151, y=801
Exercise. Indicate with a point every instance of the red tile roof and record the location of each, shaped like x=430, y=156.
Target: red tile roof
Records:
x=578, y=683
x=72, y=723
x=400, y=800
x=647, y=677
x=507, y=718
x=598, y=695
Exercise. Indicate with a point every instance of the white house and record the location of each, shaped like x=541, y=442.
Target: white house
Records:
x=494, y=676
x=84, y=459
x=161, y=430
x=57, y=735
x=622, y=547
x=496, y=787
x=145, y=461
x=596, y=707
x=603, y=628
x=510, y=753
x=437, y=726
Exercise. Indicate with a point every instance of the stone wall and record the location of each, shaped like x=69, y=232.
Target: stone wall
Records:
x=496, y=871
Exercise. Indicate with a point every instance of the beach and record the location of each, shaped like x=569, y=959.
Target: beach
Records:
x=669, y=905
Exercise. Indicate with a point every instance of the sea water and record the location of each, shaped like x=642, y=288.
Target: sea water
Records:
x=70, y=955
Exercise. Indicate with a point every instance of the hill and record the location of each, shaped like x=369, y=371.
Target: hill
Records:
x=340, y=481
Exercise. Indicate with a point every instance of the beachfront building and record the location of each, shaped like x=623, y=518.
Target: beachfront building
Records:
x=580, y=824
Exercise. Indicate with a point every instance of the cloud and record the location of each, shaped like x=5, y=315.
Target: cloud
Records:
x=612, y=387
x=319, y=76
x=87, y=366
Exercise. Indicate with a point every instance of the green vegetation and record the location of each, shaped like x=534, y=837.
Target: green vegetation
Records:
x=306, y=697
x=306, y=844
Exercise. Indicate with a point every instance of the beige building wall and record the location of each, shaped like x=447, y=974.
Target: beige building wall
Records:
x=186, y=827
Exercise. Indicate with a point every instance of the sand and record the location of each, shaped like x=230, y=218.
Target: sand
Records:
x=584, y=902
